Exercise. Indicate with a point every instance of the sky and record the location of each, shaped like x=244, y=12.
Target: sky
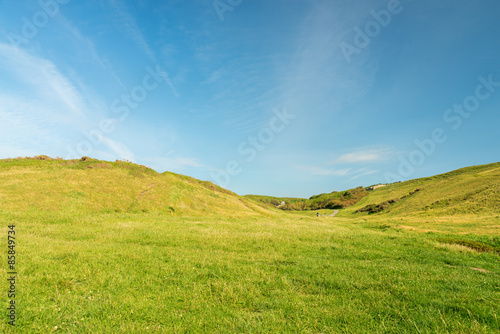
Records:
x=282, y=97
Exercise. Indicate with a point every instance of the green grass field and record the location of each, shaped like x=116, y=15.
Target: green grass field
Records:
x=126, y=263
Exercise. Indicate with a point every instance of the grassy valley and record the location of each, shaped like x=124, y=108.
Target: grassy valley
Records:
x=113, y=247
x=333, y=200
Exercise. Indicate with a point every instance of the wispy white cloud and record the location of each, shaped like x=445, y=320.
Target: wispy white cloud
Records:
x=120, y=149
x=43, y=77
x=27, y=129
x=85, y=47
x=344, y=172
x=216, y=76
x=364, y=174
x=40, y=109
x=364, y=155
x=46, y=111
x=318, y=70
x=128, y=23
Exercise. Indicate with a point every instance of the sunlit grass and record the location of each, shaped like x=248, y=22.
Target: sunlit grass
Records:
x=136, y=273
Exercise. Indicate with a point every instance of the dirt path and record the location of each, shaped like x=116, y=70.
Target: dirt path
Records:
x=145, y=191
x=334, y=213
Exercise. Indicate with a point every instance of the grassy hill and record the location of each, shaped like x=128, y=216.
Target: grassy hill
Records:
x=467, y=191
x=89, y=185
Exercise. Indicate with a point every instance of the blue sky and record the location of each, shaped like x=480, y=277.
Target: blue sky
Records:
x=282, y=97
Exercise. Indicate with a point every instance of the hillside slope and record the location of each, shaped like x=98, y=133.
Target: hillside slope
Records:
x=90, y=185
x=471, y=190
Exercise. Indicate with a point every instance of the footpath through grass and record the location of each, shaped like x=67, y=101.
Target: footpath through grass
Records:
x=154, y=273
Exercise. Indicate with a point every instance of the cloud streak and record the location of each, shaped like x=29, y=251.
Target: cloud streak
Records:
x=364, y=174
x=344, y=172
x=324, y=171
x=120, y=149
x=363, y=156
x=47, y=111
x=43, y=77
x=318, y=68
x=128, y=23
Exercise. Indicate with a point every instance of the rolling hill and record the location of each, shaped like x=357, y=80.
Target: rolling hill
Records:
x=89, y=185
x=472, y=190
